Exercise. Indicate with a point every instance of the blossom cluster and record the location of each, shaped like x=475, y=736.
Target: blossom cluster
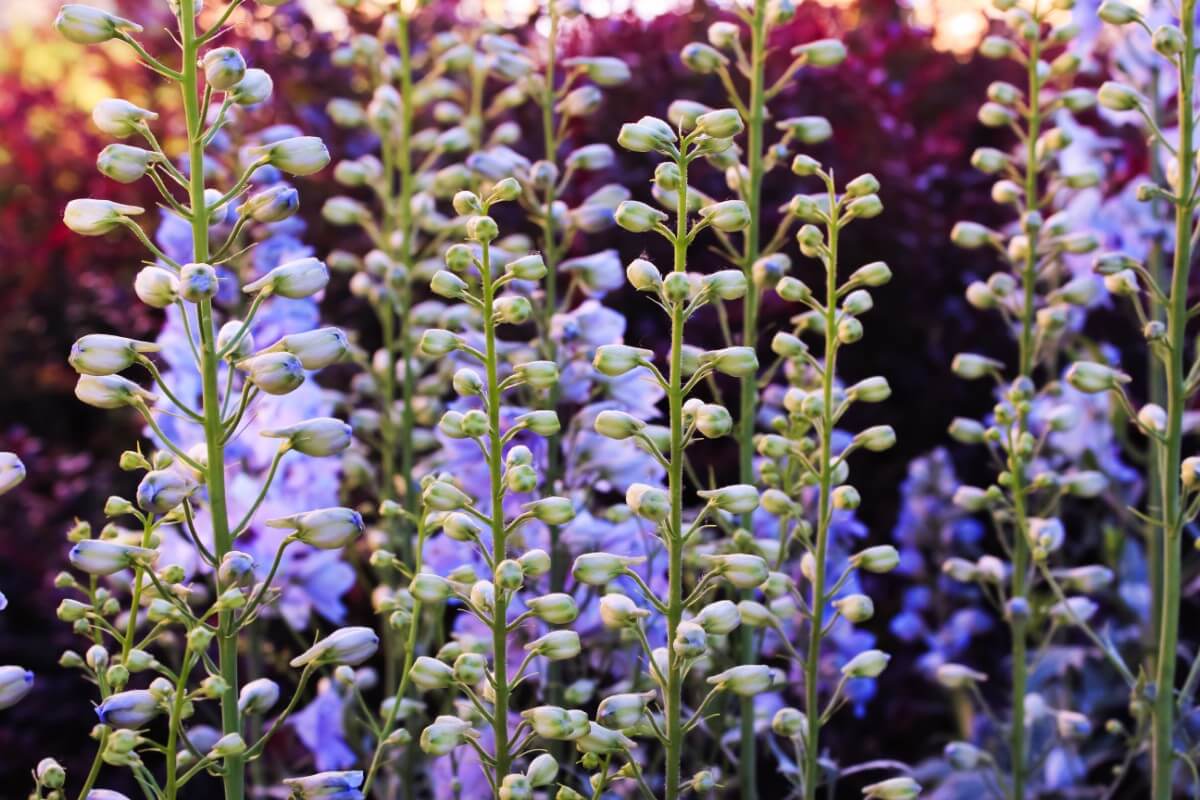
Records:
x=568, y=600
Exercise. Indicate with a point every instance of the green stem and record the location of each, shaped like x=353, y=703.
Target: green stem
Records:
x=174, y=723
x=233, y=775
x=812, y=699
x=550, y=255
x=410, y=650
x=1162, y=748
x=673, y=701
x=1019, y=582
x=749, y=389
x=499, y=544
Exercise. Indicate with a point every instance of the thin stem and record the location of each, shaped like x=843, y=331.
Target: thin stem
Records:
x=812, y=699
x=499, y=544
x=749, y=388
x=1162, y=746
x=673, y=699
x=233, y=772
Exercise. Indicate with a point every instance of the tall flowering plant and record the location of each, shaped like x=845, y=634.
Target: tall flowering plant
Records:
x=1041, y=302
x=188, y=487
x=1174, y=42
x=736, y=61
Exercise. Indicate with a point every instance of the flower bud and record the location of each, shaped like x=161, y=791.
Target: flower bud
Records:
x=821, y=53
x=743, y=570
x=332, y=785
x=130, y=709
x=344, y=646
x=156, y=287
x=649, y=502
x=255, y=87
x=1118, y=96
x=274, y=373
x=867, y=664
x=325, y=528
x=622, y=711
x=735, y=499
x=878, y=559
x=701, y=58
x=89, y=217
x=527, y=268
x=322, y=436
x=737, y=362
x=957, y=676
x=745, y=680
x=542, y=770
x=15, y=683
x=258, y=696
x=598, y=569
x=723, y=123
x=224, y=67
x=637, y=217
x=728, y=216
x=904, y=788
x=104, y=557
x=120, y=118
x=298, y=155
x=1091, y=377
x=719, y=618
x=855, y=607
x=615, y=360
x=296, y=279
x=89, y=25
x=558, y=645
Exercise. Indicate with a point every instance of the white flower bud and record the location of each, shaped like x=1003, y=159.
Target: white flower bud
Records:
x=615, y=360
x=720, y=124
x=719, y=618
x=322, y=436
x=557, y=645
x=299, y=155
x=344, y=646
x=89, y=217
x=156, y=287
x=125, y=164
x=88, y=25
x=258, y=696
x=808, y=129
x=649, y=502
x=601, y=740
x=102, y=354
x=161, y=490
x=255, y=87
x=325, y=785
x=745, y=680
x=224, y=67
x=110, y=391
x=324, y=528
x=15, y=683
x=296, y=279
x=131, y=709
x=542, y=770
x=879, y=559
x=728, y=216
x=1117, y=96
x=867, y=664
x=428, y=674
x=904, y=788
x=12, y=472
x=429, y=588
x=622, y=711
x=821, y=53
x=436, y=342
x=274, y=373
x=1091, y=377
x=120, y=118
x=637, y=217
x=315, y=349
x=743, y=570
x=619, y=611
x=957, y=676
x=598, y=569
x=855, y=607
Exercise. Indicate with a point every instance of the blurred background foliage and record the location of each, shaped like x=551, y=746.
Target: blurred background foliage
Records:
x=903, y=107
